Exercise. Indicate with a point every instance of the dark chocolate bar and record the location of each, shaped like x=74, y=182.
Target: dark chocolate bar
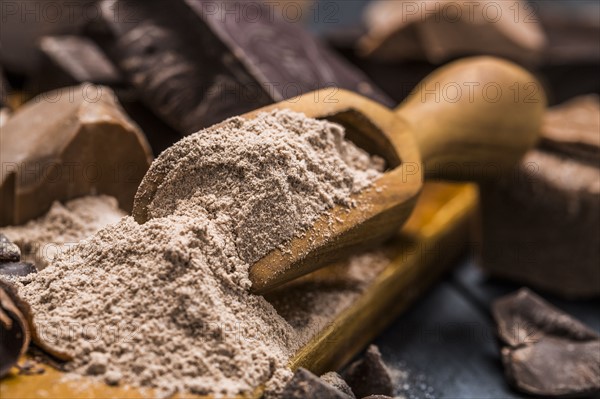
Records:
x=195, y=63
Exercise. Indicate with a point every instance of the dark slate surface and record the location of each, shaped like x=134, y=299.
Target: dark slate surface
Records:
x=447, y=343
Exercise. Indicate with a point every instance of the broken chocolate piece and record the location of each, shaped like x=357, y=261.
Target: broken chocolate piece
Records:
x=369, y=375
x=14, y=331
x=443, y=30
x=555, y=189
x=336, y=381
x=305, y=384
x=69, y=143
x=547, y=352
x=20, y=269
x=9, y=252
x=196, y=64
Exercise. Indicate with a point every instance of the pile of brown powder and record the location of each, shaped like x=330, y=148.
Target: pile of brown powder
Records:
x=166, y=304
x=63, y=226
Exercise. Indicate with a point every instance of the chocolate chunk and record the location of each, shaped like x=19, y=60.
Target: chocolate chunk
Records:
x=540, y=225
x=369, y=375
x=446, y=29
x=547, y=352
x=336, y=381
x=14, y=331
x=17, y=269
x=69, y=143
x=9, y=252
x=196, y=64
x=305, y=384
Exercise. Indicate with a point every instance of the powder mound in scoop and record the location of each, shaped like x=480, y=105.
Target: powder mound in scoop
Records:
x=165, y=304
x=272, y=176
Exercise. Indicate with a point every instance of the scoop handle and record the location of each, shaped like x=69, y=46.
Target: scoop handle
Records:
x=474, y=118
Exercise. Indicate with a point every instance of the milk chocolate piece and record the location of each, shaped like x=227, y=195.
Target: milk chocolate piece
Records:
x=443, y=30
x=547, y=352
x=9, y=252
x=69, y=143
x=195, y=64
x=369, y=375
x=305, y=384
x=540, y=225
x=19, y=269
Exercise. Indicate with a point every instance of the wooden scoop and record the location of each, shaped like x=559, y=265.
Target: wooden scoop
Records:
x=470, y=120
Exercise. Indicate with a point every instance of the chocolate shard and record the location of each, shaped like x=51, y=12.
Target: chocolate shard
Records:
x=19, y=269
x=369, y=375
x=14, y=331
x=69, y=143
x=547, y=352
x=305, y=384
x=443, y=30
x=196, y=64
x=555, y=189
x=336, y=381
x=9, y=252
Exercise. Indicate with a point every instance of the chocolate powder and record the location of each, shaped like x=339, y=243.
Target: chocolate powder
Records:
x=165, y=304
x=62, y=227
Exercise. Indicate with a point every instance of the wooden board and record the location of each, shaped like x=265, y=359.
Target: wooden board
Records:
x=431, y=240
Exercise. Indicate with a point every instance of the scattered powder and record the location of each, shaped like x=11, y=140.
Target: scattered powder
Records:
x=165, y=304
x=265, y=179
x=62, y=227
